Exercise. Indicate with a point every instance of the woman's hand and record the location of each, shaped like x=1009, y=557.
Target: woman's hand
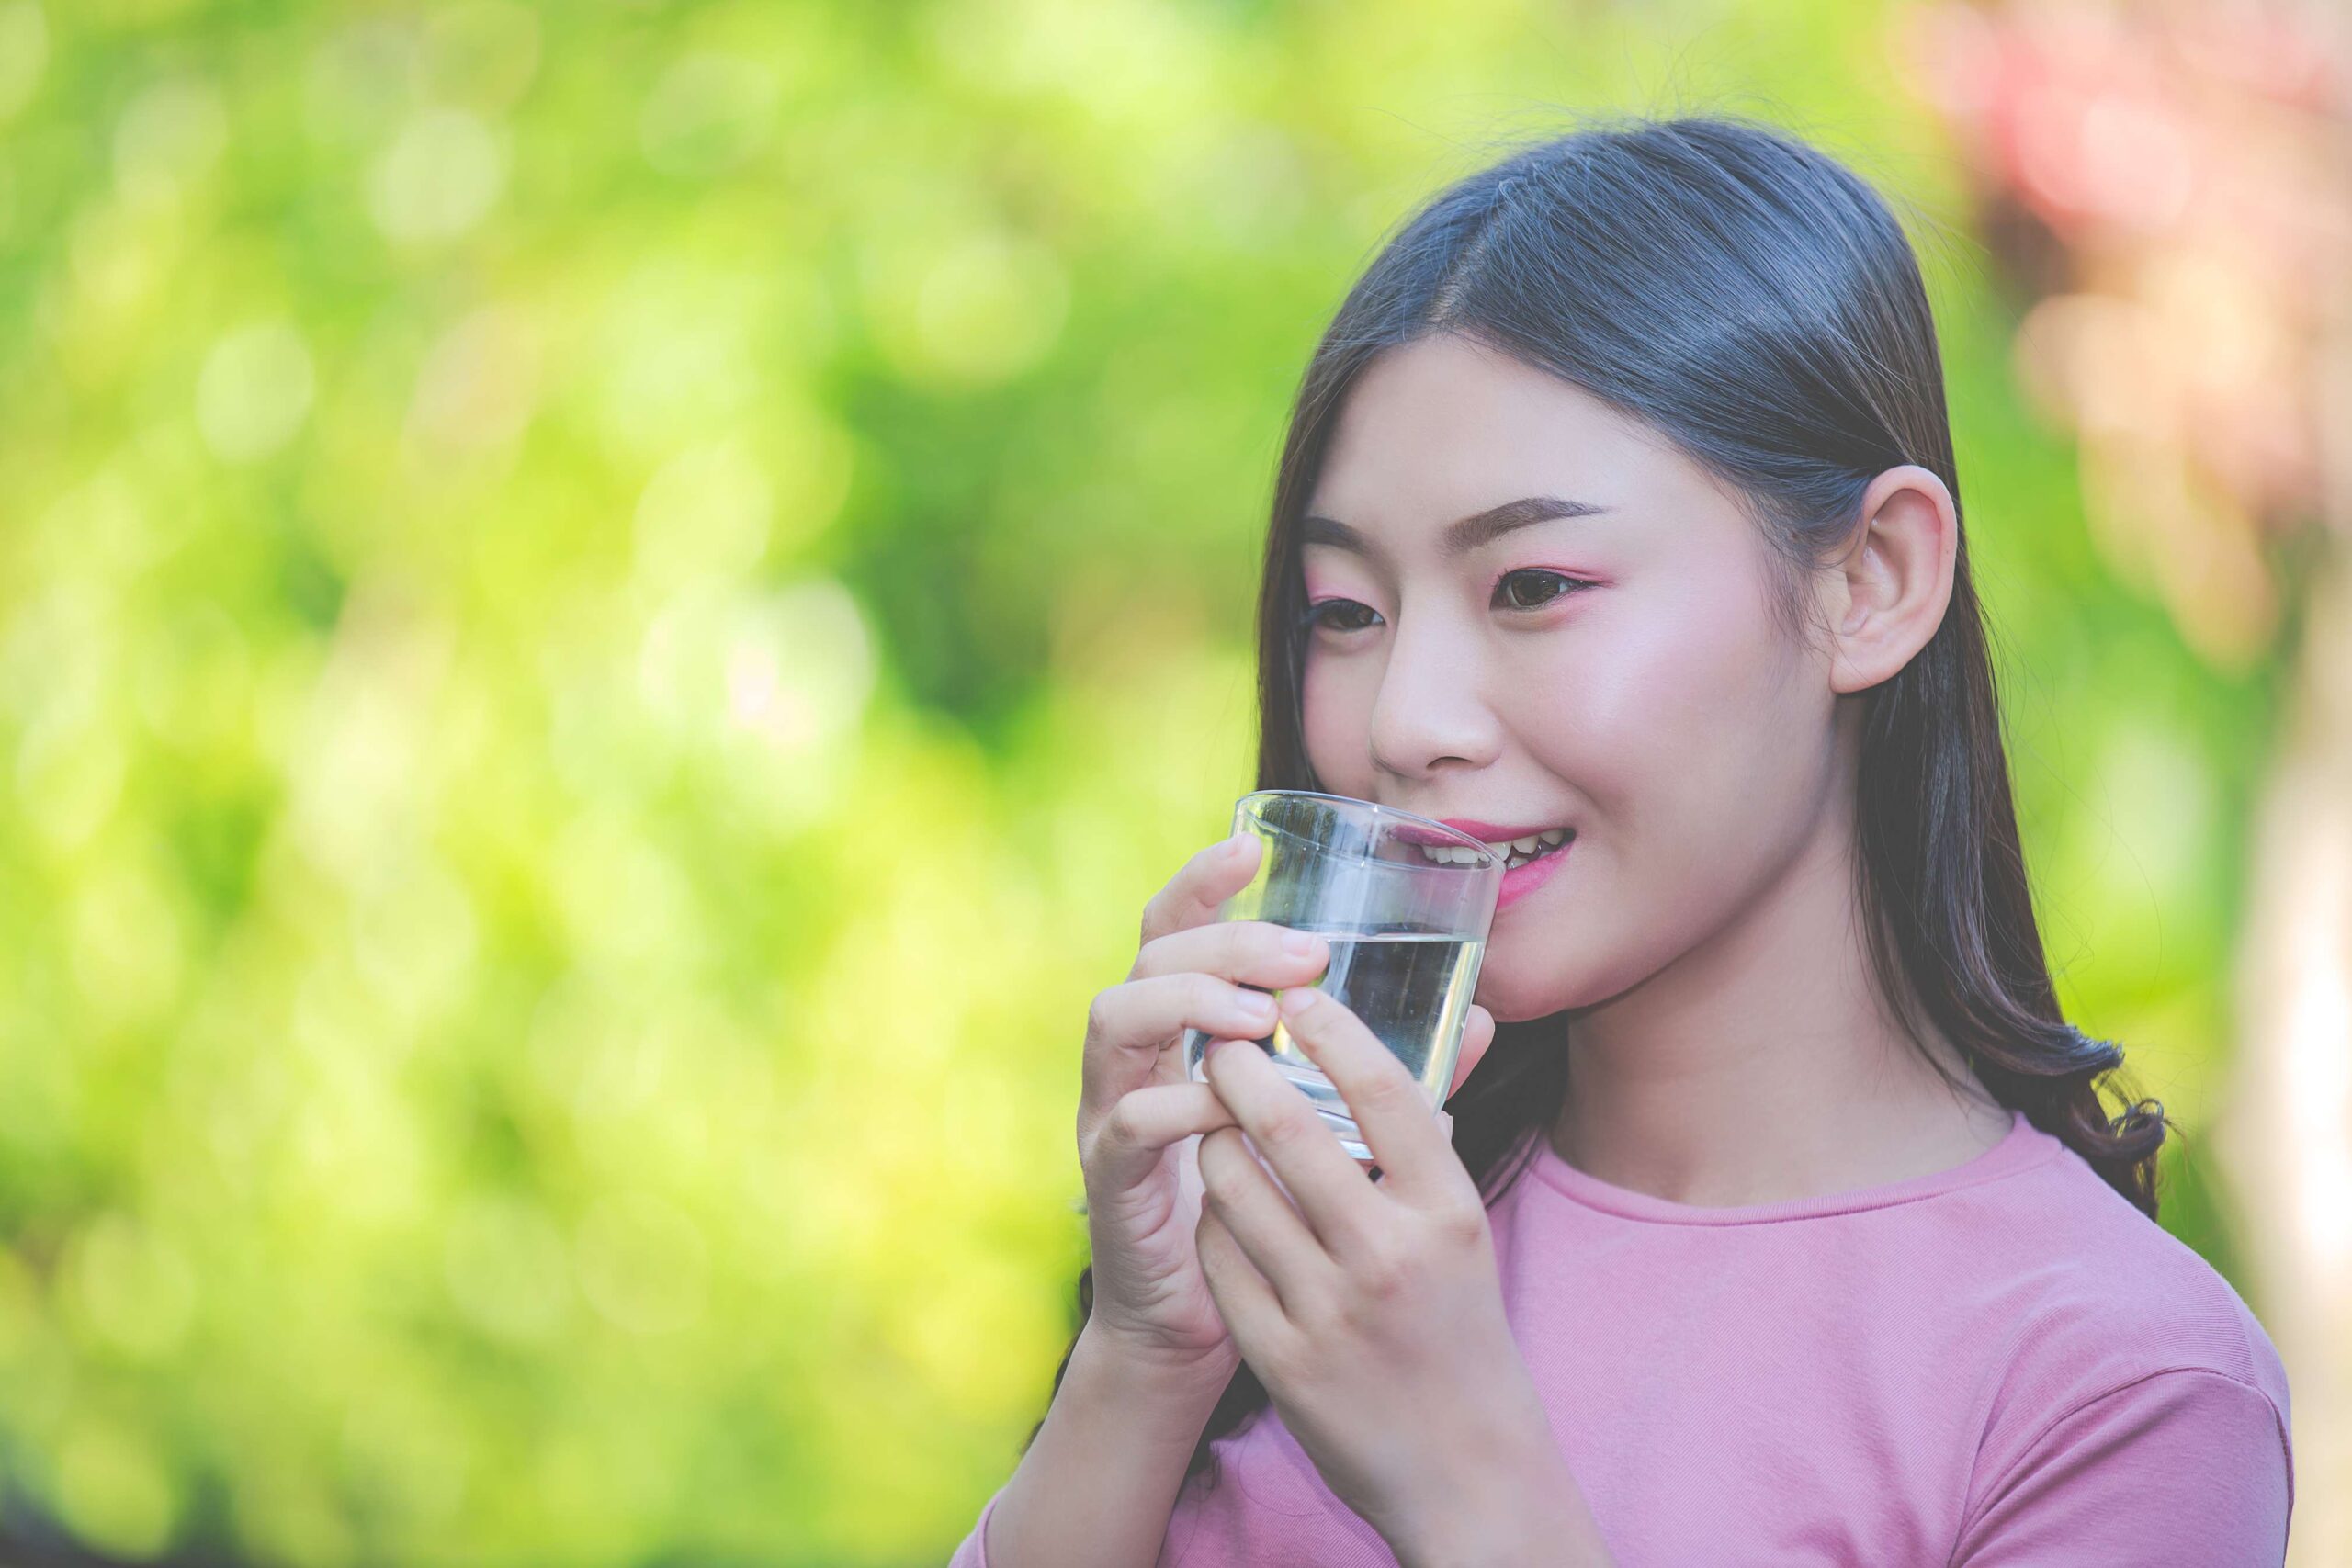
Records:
x=1372, y=1310
x=1139, y=1116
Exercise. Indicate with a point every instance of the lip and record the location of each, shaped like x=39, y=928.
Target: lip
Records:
x=1518, y=881
x=1487, y=833
x=1521, y=881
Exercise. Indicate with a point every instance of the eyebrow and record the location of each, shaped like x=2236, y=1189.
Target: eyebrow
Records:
x=1473, y=533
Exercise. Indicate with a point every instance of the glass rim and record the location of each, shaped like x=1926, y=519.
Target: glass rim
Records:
x=1455, y=835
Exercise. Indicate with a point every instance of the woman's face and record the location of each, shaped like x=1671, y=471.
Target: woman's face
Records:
x=1619, y=673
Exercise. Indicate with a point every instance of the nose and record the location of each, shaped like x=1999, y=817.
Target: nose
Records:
x=1431, y=709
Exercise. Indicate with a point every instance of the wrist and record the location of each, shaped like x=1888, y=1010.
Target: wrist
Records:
x=1150, y=1377
x=1099, y=1478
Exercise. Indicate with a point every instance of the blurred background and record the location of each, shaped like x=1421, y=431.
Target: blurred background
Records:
x=608, y=612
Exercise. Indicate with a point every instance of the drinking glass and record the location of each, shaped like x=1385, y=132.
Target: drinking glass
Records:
x=1403, y=903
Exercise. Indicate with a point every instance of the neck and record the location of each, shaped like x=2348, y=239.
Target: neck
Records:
x=1764, y=1064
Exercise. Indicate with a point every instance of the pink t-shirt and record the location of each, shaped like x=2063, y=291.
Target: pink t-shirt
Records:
x=2000, y=1364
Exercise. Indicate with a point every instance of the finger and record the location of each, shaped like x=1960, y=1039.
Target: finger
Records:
x=1270, y=1230
x=1136, y=1132
x=1255, y=953
x=1392, y=1110
x=1444, y=1121
x=1130, y=1024
x=1207, y=880
x=1252, y=1313
x=1324, y=1181
x=1477, y=1034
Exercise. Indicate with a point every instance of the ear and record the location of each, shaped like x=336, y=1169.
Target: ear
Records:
x=1886, y=595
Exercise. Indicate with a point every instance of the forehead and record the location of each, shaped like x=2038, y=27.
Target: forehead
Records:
x=1443, y=427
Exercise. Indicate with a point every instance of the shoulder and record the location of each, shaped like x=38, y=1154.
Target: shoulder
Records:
x=2101, y=1293
x=2109, y=1318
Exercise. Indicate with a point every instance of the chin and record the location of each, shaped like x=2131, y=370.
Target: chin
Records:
x=1513, y=1000
x=1537, y=974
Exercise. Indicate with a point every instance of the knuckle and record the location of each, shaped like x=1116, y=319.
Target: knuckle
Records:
x=1118, y=1123
x=1462, y=1222
x=1212, y=994
x=1147, y=955
x=1155, y=922
x=1219, y=1146
x=1290, y=1128
x=1392, y=1093
x=1386, y=1271
x=1098, y=1015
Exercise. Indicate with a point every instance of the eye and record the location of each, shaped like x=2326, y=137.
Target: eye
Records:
x=1508, y=598
x=1340, y=608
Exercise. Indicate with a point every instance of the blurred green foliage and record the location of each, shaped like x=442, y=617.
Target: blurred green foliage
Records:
x=607, y=614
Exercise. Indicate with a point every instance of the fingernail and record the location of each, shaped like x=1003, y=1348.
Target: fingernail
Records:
x=1301, y=942
x=1297, y=1000
x=1235, y=844
x=1258, y=1006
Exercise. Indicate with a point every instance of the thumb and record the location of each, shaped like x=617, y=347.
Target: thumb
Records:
x=1477, y=1033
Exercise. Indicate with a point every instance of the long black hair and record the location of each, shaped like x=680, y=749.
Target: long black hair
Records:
x=1756, y=302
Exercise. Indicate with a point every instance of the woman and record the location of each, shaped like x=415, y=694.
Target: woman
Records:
x=1777, y=1220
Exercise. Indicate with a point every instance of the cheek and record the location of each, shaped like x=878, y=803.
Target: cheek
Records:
x=1678, y=729
x=1336, y=719
x=1635, y=694
x=1670, y=719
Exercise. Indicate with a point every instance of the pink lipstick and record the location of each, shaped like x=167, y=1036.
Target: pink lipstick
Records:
x=1521, y=880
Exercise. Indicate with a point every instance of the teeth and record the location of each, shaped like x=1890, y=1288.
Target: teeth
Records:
x=1516, y=852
